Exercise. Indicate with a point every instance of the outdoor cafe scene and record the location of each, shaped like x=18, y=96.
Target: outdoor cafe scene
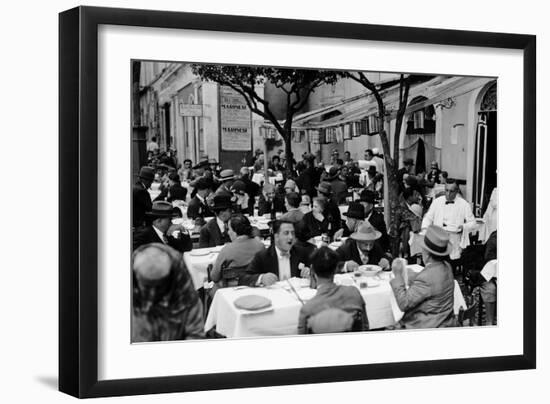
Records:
x=282, y=201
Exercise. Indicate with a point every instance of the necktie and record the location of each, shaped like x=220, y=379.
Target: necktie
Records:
x=164, y=239
x=225, y=230
x=449, y=202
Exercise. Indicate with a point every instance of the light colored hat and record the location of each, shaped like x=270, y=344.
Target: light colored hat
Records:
x=366, y=232
x=436, y=241
x=290, y=184
x=227, y=175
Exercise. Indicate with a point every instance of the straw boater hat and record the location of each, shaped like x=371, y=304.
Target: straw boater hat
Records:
x=227, y=175
x=436, y=241
x=147, y=173
x=162, y=209
x=366, y=232
x=355, y=211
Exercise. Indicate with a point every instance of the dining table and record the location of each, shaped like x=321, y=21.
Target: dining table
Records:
x=281, y=317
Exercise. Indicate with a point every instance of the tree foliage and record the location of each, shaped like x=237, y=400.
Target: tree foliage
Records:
x=297, y=84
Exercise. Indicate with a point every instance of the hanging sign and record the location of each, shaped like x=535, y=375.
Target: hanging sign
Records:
x=236, y=121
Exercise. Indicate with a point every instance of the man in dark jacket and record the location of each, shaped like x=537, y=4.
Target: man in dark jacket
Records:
x=368, y=199
x=281, y=261
x=215, y=232
x=161, y=230
x=175, y=192
x=309, y=178
x=362, y=248
x=141, y=200
x=197, y=206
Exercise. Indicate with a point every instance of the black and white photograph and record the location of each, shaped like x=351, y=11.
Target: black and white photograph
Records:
x=273, y=201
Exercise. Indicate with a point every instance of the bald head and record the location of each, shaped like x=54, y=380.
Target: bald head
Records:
x=151, y=264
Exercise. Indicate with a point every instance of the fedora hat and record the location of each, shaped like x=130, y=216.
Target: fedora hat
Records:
x=201, y=164
x=324, y=188
x=221, y=201
x=368, y=196
x=408, y=161
x=227, y=175
x=366, y=232
x=162, y=209
x=238, y=187
x=371, y=169
x=147, y=173
x=436, y=241
x=355, y=211
x=333, y=173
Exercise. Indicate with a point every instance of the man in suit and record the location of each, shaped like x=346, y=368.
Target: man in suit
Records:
x=368, y=199
x=174, y=192
x=197, y=206
x=362, y=248
x=215, y=232
x=141, y=200
x=292, y=204
x=428, y=299
x=161, y=230
x=331, y=296
x=280, y=261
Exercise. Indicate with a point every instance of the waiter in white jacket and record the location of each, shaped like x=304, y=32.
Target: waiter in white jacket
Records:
x=455, y=215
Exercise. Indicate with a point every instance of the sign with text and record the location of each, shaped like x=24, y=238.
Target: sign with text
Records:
x=190, y=109
x=236, y=121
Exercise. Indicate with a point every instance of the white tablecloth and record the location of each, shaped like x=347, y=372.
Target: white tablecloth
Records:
x=282, y=317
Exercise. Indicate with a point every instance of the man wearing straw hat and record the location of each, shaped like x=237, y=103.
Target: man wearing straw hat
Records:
x=161, y=229
x=362, y=248
x=428, y=299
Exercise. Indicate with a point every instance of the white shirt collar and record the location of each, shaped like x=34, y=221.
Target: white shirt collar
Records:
x=280, y=252
x=159, y=233
x=221, y=224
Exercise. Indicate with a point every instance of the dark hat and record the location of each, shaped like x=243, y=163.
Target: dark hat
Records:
x=355, y=211
x=200, y=183
x=201, y=164
x=221, y=201
x=147, y=173
x=408, y=161
x=227, y=175
x=371, y=169
x=238, y=187
x=165, y=166
x=309, y=157
x=324, y=188
x=366, y=232
x=436, y=241
x=368, y=196
x=174, y=177
x=162, y=209
x=333, y=173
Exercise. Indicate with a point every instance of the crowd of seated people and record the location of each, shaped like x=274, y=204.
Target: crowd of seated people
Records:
x=303, y=207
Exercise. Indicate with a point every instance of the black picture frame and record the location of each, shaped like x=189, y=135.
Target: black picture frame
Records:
x=78, y=193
